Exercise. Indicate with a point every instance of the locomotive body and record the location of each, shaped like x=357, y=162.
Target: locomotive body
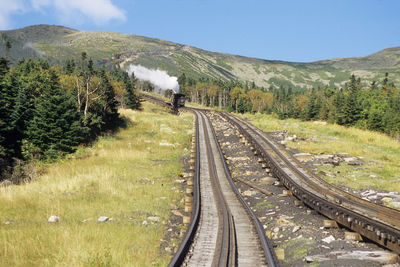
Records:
x=177, y=100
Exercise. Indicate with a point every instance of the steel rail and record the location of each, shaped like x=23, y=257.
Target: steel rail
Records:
x=190, y=233
x=266, y=244
x=228, y=254
x=226, y=243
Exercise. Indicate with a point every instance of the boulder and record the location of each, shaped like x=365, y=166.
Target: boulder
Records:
x=328, y=239
x=303, y=157
x=54, y=219
x=267, y=180
x=103, y=219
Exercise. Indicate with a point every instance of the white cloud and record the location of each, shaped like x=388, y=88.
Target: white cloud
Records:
x=7, y=8
x=71, y=11
x=68, y=11
x=99, y=11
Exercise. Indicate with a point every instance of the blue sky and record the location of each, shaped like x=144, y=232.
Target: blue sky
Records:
x=290, y=30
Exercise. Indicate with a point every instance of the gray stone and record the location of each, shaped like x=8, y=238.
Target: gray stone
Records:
x=54, y=219
x=153, y=218
x=267, y=180
x=296, y=228
x=328, y=239
x=352, y=161
x=103, y=219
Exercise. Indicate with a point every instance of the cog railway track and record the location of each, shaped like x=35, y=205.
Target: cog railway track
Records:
x=239, y=238
x=376, y=222
x=225, y=232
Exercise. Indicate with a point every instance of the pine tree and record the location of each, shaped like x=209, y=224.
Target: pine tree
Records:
x=110, y=110
x=351, y=112
x=132, y=99
x=56, y=126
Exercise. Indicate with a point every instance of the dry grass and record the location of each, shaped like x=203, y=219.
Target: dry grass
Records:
x=127, y=177
x=380, y=153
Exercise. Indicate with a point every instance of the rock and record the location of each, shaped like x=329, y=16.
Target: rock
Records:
x=384, y=257
x=153, y=218
x=54, y=219
x=177, y=213
x=103, y=219
x=352, y=161
x=352, y=236
x=330, y=224
x=280, y=253
x=282, y=221
x=8, y=222
x=291, y=138
x=296, y=228
x=324, y=156
x=165, y=143
x=303, y=157
x=328, y=239
x=267, y=180
x=268, y=234
x=248, y=193
x=276, y=230
x=317, y=258
x=144, y=222
x=180, y=181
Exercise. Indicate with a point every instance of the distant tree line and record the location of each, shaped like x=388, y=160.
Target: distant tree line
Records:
x=374, y=107
x=47, y=111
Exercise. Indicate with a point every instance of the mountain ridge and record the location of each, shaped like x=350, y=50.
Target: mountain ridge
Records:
x=57, y=43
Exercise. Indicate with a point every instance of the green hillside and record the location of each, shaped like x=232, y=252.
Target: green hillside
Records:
x=57, y=43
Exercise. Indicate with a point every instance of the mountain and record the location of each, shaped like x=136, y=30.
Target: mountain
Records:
x=57, y=43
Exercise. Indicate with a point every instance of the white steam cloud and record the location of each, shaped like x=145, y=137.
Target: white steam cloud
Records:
x=159, y=78
x=30, y=45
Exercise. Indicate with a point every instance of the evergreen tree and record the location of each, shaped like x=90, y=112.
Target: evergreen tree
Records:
x=110, y=105
x=351, y=111
x=132, y=99
x=56, y=126
x=313, y=106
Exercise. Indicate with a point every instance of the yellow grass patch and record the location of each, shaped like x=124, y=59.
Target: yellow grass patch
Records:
x=127, y=177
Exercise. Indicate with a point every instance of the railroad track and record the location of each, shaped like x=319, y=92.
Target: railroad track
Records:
x=223, y=230
x=376, y=222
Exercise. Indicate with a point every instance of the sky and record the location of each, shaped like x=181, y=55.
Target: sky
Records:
x=289, y=30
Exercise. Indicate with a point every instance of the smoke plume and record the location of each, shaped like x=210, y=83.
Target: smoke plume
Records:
x=29, y=45
x=159, y=78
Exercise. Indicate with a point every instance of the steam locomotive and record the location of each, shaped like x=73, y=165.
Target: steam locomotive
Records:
x=177, y=100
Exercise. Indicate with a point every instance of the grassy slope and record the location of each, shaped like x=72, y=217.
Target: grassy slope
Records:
x=128, y=177
x=59, y=43
x=380, y=153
